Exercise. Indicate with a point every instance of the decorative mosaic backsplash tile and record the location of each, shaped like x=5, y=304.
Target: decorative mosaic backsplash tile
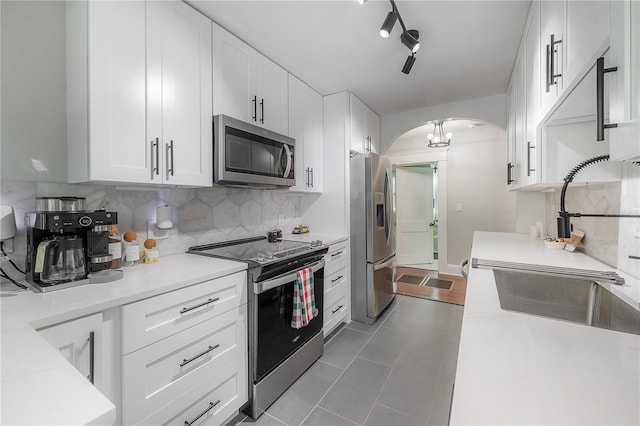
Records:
x=200, y=215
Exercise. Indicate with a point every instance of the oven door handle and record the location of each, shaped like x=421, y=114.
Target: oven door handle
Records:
x=284, y=279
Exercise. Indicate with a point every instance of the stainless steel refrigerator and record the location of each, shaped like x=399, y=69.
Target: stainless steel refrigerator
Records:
x=372, y=249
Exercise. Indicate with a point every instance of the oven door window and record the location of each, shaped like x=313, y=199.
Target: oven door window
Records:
x=277, y=340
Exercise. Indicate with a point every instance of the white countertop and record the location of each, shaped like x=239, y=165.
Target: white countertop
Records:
x=515, y=368
x=38, y=385
x=327, y=239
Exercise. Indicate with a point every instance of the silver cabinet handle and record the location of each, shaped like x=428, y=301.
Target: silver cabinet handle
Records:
x=206, y=351
x=510, y=180
x=311, y=177
x=262, y=110
x=211, y=405
x=337, y=309
x=600, y=72
x=551, y=62
x=185, y=310
x=169, y=156
x=336, y=254
x=155, y=160
x=92, y=356
x=529, y=148
x=337, y=279
x=255, y=108
x=308, y=180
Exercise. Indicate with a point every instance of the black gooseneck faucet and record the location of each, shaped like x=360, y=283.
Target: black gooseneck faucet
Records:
x=564, y=217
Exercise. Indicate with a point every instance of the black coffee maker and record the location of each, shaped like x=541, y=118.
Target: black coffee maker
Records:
x=65, y=243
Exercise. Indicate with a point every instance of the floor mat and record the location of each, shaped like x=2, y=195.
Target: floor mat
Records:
x=438, y=283
x=412, y=279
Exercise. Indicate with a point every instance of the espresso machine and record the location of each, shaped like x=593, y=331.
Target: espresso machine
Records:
x=66, y=245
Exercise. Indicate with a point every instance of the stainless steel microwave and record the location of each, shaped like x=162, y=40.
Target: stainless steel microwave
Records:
x=248, y=155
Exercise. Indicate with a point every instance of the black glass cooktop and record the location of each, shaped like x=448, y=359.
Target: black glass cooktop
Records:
x=256, y=249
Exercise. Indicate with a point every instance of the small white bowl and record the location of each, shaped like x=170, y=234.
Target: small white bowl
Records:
x=554, y=245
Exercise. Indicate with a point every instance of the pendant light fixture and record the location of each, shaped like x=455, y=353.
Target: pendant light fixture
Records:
x=439, y=139
x=408, y=37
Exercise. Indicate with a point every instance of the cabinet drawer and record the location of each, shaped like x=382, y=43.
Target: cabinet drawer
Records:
x=209, y=403
x=335, y=279
x=150, y=320
x=331, y=295
x=336, y=258
x=157, y=374
x=335, y=313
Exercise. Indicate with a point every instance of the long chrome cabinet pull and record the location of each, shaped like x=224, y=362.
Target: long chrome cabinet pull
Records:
x=551, y=62
x=211, y=405
x=509, y=171
x=262, y=110
x=336, y=279
x=255, y=108
x=600, y=72
x=307, y=183
x=155, y=160
x=169, y=156
x=529, y=148
x=206, y=351
x=337, y=309
x=336, y=254
x=185, y=310
x=311, y=177
x=92, y=356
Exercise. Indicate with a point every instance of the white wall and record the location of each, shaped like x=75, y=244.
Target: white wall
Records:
x=491, y=109
x=476, y=179
x=34, y=119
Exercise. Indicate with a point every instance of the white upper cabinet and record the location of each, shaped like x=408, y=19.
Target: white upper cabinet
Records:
x=531, y=45
x=625, y=82
x=365, y=127
x=139, y=93
x=587, y=32
x=552, y=23
x=305, y=126
x=247, y=85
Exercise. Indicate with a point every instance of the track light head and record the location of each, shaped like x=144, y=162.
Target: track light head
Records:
x=410, y=39
x=388, y=24
x=408, y=64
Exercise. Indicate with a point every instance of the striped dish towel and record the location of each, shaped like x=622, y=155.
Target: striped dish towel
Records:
x=304, y=302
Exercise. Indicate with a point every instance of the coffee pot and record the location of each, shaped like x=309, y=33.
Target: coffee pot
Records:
x=61, y=260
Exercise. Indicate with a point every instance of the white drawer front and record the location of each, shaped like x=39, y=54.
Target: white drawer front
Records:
x=336, y=258
x=335, y=279
x=334, y=314
x=332, y=295
x=153, y=319
x=155, y=375
x=214, y=400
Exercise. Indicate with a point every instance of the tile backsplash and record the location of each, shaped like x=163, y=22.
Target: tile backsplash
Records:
x=200, y=216
x=610, y=240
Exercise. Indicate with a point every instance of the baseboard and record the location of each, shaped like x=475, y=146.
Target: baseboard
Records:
x=450, y=270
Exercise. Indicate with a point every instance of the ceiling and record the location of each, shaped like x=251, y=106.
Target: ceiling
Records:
x=467, y=47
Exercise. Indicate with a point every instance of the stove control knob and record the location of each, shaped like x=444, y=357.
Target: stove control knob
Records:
x=269, y=255
x=260, y=257
x=316, y=243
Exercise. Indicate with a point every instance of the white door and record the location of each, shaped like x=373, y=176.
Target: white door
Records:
x=414, y=215
x=272, y=100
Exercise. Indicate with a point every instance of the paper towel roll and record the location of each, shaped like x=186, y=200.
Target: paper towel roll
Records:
x=163, y=217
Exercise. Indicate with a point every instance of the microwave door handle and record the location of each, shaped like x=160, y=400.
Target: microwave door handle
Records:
x=284, y=279
x=289, y=158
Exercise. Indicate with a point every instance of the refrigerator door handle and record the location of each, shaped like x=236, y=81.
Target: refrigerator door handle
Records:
x=387, y=206
x=383, y=265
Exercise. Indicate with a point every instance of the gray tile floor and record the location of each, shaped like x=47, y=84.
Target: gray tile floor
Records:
x=396, y=372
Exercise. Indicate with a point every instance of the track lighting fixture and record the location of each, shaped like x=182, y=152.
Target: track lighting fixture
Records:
x=409, y=63
x=408, y=37
x=388, y=24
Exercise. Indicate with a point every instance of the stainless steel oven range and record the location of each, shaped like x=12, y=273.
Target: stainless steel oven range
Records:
x=278, y=353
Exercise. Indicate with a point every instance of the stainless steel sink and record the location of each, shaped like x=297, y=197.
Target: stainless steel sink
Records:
x=566, y=298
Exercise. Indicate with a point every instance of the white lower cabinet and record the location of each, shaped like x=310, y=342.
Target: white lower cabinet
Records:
x=336, y=286
x=209, y=403
x=156, y=374
x=184, y=355
x=80, y=342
